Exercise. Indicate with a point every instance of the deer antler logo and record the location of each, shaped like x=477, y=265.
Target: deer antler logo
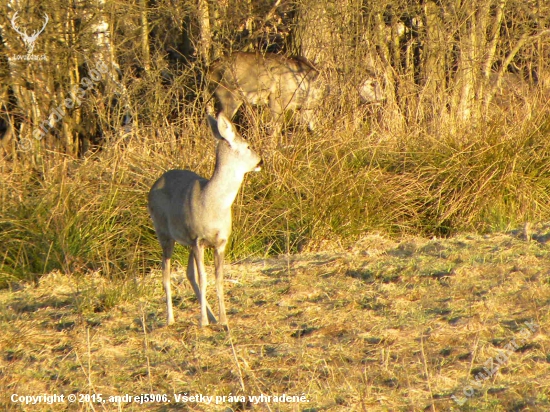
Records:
x=28, y=40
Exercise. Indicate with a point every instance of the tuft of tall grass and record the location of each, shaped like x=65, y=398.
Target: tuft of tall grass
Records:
x=76, y=216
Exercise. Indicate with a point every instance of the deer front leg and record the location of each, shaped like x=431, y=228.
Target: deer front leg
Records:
x=308, y=116
x=167, y=290
x=198, y=251
x=219, y=254
x=167, y=250
x=277, y=115
x=192, y=277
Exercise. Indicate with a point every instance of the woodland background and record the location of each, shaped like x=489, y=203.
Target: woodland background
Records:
x=382, y=262
x=460, y=143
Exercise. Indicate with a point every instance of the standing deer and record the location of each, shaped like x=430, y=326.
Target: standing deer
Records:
x=28, y=40
x=282, y=83
x=196, y=212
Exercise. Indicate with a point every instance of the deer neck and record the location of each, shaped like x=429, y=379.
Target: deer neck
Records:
x=224, y=185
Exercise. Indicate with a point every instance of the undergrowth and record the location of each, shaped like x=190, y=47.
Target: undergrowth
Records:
x=90, y=214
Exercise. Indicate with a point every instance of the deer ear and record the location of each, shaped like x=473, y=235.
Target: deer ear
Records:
x=222, y=128
x=213, y=126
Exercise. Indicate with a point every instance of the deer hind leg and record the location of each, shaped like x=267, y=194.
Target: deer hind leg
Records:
x=167, y=245
x=277, y=115
x=198, y=251
x=308, y=116
x=192, y=277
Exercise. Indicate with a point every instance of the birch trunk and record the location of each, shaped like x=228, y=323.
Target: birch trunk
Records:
x=205, y=41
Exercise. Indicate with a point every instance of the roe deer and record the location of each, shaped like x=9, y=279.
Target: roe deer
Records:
x=282, y=83
x=196, y=212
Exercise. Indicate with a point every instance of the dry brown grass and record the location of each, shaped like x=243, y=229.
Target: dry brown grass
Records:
x=367, y=324
x=382, y=326
x=354, y=323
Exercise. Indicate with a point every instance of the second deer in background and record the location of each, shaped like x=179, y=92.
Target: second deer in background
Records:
x=278, y=82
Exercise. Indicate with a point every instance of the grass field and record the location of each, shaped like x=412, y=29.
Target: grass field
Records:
x=384, y=325
x=396, y=258
x=375, y=268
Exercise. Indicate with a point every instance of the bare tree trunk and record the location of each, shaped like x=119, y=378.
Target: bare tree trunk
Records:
x=541, y=67
x=476, y=57
x=313, y=35
x=463, y=87
x=386, y=39
x=24, y=80
x=485, y=90
x=145, y=36
x=74, y=78
x=434, y=91
x=205, y=41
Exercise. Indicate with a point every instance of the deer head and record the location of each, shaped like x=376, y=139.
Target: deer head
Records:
x=28, y=40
